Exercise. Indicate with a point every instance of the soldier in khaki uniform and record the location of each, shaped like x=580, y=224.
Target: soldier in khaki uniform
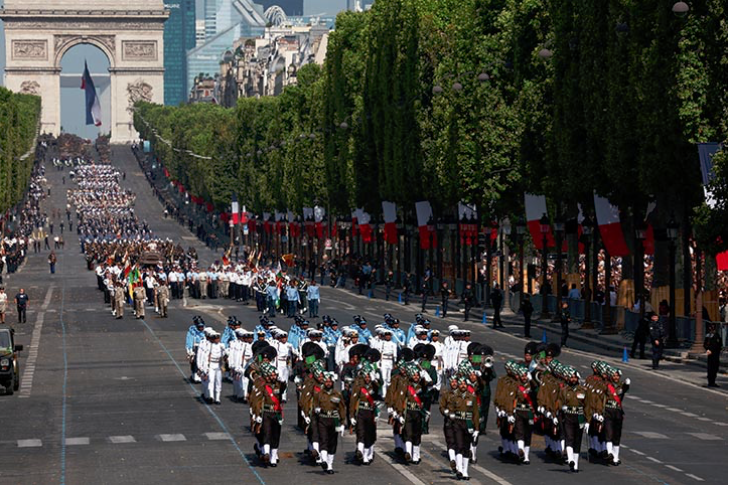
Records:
x=163, y=298
x=465, y=416
x=364, y=412
x=595, y=389
x=398, y=383
x=139, y=299
x=547, y=400
x=445, y=398
x=329, y=407
x=119, y=291
x=310, y=386
x=409, y=410
x=269, y=415
x=613, y=412
x=572, y=399
x=524, y=413
x=504, y=397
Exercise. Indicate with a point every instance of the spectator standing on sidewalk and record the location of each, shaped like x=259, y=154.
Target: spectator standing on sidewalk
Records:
x=574, y=293
x=21, y=301
x=713, y=345
x=389, y=284
x=640, y=338
x=468, y=298
x=425, y=290
x=565, y=319
x=496, y=297
x=52, y=259
x=445, y=292
x=657, y=337
x=526, y=307
x=407, y=288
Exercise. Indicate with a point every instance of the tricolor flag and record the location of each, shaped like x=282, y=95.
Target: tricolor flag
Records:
x=234, y=209
x=319, y=217
x=93, y=107
x=390, y=232
x=364, y=222
x=610, y=227
x=426, y=231
x=535, y=208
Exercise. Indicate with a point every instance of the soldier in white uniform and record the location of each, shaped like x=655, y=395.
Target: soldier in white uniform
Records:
x=285, y=354
x=240, y=353
x=210, y=367
x=389, y=352
x=203, y=349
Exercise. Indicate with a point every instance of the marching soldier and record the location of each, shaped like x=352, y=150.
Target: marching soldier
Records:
x=329, y=407
x=192, y=341
x=524, y=413
x=119, y=300
x=409, y=411
x=310, y=385
x=285, y=354
x=210, y=362
x=445, y=400
x=614, y=413
x=364, y=413
x=399, y=381
x=487, y=375
x=465, y=416
x=572, y=399
x=595, y=389
x=547, y=400
x=504, y=396
x=268, y=415
x=163, y=298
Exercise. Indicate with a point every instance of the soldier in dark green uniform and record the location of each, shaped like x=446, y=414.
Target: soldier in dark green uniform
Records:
x=329, y=407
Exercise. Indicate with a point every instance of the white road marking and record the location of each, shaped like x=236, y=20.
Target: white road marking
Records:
x=480, y=469
x=675, y=410
x=705, y=436
x=701, y=418
x=122, y=439
x=34, y=443
x=689, y=414
x=398, y=467
x=82, y=440
x=673, y=468
x=720, y=424
x=26, y=381
x=654, y=460
x=695, y=477
x=216, y=436
x=652, y=435
x=636, y=452
x=171, y=437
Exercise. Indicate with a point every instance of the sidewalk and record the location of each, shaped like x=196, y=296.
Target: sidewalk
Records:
x=514, y=324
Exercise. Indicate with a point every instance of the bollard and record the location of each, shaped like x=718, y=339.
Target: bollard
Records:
x=436, y=313
x=484, y=317
x=399, y=299
x=545, y=338
x=370, y=294
x=625, y=357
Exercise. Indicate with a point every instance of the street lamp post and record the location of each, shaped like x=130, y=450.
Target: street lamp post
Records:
x=520, y=234
x=440, y=256
x=559, y=226
x=672, y=233
x=544, y=287
x=587, y=228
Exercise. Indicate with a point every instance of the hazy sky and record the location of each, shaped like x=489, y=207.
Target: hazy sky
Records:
x=72, y=118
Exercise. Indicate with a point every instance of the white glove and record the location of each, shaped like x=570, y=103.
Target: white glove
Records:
x=548, y=414
x=340, y=429
x=317, y=410
x=555, y=421
x=259, y=419
x=627, y=381
x=402, y=420
x=586, y=427
x=390, y=411
x=451, y=416
x=564, y=408
x=428, y=415
x=446, y=412
x=541, y=409
x=595, y=416
x=307, y=420
x=600, y=418
x=511, y=419
x=281, y=422
x=353, y=421
x=487, y=366
x=475, y=434
x=530, y=377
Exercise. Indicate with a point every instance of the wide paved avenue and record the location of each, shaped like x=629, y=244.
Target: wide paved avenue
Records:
x=109, y=401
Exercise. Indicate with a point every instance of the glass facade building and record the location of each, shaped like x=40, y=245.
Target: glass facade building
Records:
x=179, y=37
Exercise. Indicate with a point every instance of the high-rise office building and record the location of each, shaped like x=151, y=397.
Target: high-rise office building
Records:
x=290, y=7
x=179, y=37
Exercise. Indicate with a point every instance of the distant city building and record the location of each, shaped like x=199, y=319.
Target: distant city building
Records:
x=225, y=22
x=200, y=32
x=179, y=37
x=290, y=7
x=265, y=65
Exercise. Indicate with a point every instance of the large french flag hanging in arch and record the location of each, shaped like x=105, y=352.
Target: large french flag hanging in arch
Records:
x=93, y=107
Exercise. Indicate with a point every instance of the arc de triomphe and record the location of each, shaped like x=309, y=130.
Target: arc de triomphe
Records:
x=38, y=33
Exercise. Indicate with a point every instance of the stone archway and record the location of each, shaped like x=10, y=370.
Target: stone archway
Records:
x=39, y=32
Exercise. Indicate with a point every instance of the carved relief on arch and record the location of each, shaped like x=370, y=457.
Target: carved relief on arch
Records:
x=62, y=42
x=30, y=88
x=138, y=91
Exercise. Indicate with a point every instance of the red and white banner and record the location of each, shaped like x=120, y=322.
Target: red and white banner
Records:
x=319, y=212
x=364, y=223
x=468, y=226
x=235, y=211
x=390, y=232
x=610, y=227
x=426, y=231
x=535, y=208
